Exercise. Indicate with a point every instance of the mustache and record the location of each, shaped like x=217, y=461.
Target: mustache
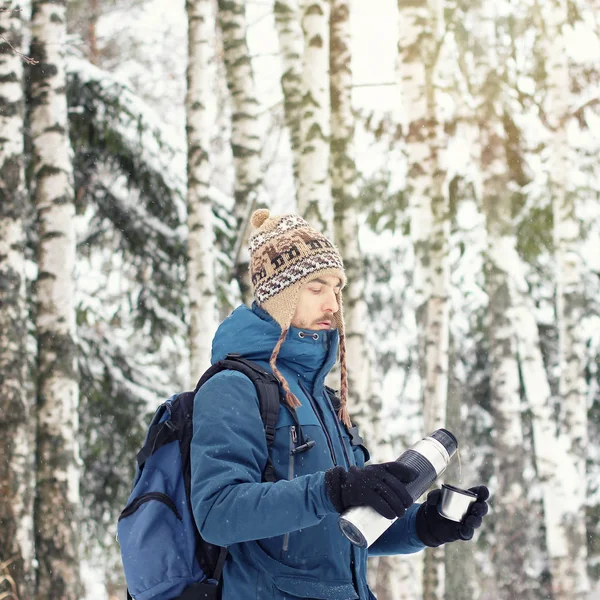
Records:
x=325, y=319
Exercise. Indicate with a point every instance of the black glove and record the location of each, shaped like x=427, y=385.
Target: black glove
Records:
x=435, y=530
x=380, y=486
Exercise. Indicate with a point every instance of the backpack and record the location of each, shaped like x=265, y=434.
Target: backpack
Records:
x=164, y=556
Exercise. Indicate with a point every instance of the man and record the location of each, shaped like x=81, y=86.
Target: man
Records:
x=283, y=537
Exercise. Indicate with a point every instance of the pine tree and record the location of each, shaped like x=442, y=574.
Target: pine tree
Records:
x=131, y=256
x=57, y=501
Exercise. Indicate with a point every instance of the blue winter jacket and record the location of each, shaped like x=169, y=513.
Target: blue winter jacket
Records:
x=283, y=537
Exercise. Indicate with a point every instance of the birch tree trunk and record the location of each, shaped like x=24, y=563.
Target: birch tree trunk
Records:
x=314, y=193
x=58, y=464
x=344, y=193
x=550, y=447
x=245, y=130
x=201, y=238
x=17, y=432
x=569, y=575
x=291, y=47
x=463, y=577
x=512, y=517
x=513, y=522
x=428, y=197
x=421, y=34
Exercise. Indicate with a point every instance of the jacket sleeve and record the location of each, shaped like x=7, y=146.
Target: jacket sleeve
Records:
x=230, y=502
x=400, y=538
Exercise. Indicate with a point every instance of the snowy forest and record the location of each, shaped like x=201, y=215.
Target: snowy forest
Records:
x=449, y=147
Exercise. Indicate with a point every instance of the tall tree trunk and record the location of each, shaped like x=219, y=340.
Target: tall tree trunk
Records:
x=568, y=561
x=418, y=48
x=344, y=192
x=201, y=238
x=291, y=47
x=92, y=38
x=512, y=518
x=397, y=577
x=16, y=427
x=549, y=446
x=314, y=194
x=513, y=522
x=462, y=572
x=428, y=199
x=345, y=209
x=58, y=465
x=245, y=131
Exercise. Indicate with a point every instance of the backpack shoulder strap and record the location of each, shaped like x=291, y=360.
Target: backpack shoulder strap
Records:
x=353, y=433
x=267, y=390
x=159, y=433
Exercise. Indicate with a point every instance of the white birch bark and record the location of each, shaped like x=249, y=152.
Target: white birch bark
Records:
x=569, y=575
x=421, y=33
x=201, y=238
x=428, y=197
x=556, y=473
x=513, y=519
x=314, y=193
x=245, y=126
x=291, y=47
x=344, y=192
x=58, y=471
x=17, y=432
x=463, y=577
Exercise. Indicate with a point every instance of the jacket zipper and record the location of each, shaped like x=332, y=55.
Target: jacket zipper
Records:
x=337, y=424
x=352, y=549
x=318, y=414
x=293, y=440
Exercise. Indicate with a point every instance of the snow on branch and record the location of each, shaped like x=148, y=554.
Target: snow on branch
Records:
x=109, y=119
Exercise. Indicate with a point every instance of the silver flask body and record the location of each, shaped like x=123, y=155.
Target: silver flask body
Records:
x=362, y=525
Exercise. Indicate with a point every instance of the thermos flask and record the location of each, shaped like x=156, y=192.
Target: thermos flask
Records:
x=362, y=525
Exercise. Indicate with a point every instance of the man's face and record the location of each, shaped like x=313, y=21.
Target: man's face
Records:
x=317, y=303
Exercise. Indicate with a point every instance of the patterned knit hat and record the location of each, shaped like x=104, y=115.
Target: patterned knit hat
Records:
x=285, y=254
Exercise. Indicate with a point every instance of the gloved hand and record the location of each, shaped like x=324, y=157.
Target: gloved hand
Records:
x=435, y=530
x=381, y=486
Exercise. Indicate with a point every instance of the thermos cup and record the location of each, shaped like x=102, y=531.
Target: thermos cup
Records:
x=454, y=502
x=362, y=525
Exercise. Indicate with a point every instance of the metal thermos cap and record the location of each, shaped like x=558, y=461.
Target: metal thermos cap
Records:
x=447, y=439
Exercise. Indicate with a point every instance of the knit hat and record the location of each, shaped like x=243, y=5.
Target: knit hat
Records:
x=285, y=254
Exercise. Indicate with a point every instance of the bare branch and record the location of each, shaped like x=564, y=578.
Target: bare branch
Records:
x=27, y=59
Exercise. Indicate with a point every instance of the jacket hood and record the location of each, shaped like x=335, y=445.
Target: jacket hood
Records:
x=253, y=333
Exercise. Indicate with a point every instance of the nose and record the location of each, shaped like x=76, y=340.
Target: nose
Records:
x=330, y=303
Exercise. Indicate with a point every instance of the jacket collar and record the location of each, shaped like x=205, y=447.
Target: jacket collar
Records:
x=253, y=333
